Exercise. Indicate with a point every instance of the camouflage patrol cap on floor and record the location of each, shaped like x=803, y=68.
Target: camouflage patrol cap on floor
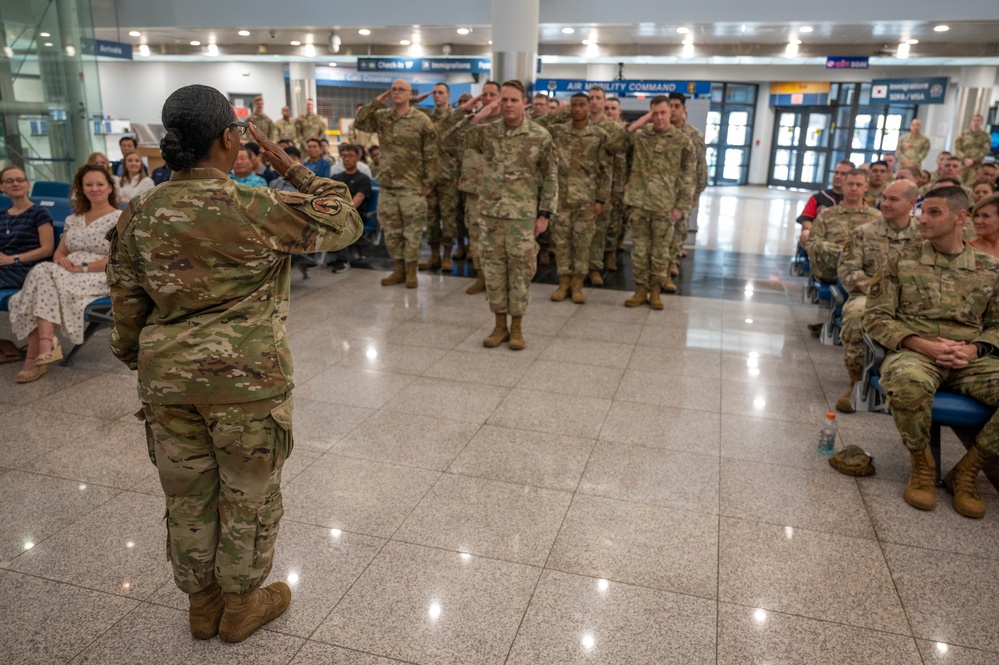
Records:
x=852, y=461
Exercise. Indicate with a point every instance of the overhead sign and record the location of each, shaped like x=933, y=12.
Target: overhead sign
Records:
x=799, y=93
x=106, y=49
x=847, y=62
x=425, y=65
x=626, y=87
x=911, y=91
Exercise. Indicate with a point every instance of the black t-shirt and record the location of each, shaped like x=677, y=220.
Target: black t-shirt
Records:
x=819, y=201
x=357, y=183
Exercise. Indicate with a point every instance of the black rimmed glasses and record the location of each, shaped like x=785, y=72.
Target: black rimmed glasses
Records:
x=241, y=126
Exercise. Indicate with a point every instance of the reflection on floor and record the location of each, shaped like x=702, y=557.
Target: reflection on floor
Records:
x=634, y=487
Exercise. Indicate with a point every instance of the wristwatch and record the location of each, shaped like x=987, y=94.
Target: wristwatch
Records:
x=85, y=267
x=17, y=259
x=984, y=349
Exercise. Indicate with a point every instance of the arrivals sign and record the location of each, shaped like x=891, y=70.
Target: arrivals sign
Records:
x=626, y=87
x=910, y=91
x=424, y=65
x=106, y=49
x=847, y=62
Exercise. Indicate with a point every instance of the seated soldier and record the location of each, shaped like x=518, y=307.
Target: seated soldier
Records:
x=863, y=257
x=822, y=200
x=833, y=227
x=935, y=307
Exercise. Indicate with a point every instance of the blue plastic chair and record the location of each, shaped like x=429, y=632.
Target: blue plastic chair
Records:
x=59, y=208
x=96, y=315
x=5, y=202
x=48, y=189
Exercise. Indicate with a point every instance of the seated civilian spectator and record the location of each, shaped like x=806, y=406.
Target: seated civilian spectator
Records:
x=827, y=198
x=55, y=294
x=127, y=144
x=242, y=169
x=985, y=219
x=161, y=174
x=136, y=179
x=316, y=163
x=261, y=169
x=359, y=185
x=981, y=190
x=99, y=159
x=324, y=149
x=27, y=234
x=361, y=166
x=280, y=182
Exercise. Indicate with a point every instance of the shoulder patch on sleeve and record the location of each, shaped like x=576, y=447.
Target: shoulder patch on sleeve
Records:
x=875, y=289
x=327, y=206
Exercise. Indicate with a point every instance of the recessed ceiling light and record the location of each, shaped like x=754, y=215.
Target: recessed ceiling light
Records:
x=682, y=30
x=941, y=28
x=195, y=43
x=244, y=33
x=911, y=41
x=296, y=43
x=213, y=50
x=490, y=42
x=144, y=50
x=134, y=33
x=903, y=51
x=586, y=42
x=805, y=28
x=48, y=44
x=364, y=31
x=332, y=64
x=44, y=34
x=463, y=31
x=405, y=42
x=568, y=31
x=310, y=50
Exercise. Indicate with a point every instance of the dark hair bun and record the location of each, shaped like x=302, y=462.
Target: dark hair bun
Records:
x=177, y=156
x=194, y=116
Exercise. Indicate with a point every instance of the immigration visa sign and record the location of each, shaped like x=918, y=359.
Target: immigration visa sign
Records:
x=910, y=91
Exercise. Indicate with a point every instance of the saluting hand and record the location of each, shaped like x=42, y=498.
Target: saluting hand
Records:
x=420, y=98
x=470, y=104
x=279, y=159
x=384, y=96
x=486, y=111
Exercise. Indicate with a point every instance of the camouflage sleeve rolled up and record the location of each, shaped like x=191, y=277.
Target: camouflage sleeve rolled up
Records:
x=367, y=116
x=880, y=314
x=129, y=301
x=851, y=266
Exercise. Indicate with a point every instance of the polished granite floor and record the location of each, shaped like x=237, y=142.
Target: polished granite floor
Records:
x=634, y=487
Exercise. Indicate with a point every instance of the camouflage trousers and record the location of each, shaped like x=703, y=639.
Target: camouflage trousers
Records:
x=572, y=233
x=652, y=235
x=911, y=379
x=474, y=225
x=220, y=468
x=442, y=214
x=823, y=263
x=402, y=214
x=852, y=335
x=680, y=229
x=600, y=237
x=509, y=260
x=616, y=228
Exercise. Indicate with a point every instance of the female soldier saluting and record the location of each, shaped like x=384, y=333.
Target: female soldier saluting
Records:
x=200, y=280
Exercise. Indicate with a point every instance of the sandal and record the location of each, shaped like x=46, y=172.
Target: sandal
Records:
x=50, y=356
x=27, y=376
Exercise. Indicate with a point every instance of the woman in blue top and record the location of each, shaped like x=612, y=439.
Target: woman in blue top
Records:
x=26, y=232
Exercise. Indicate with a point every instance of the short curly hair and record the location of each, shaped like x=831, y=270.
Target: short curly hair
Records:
x=80, y=201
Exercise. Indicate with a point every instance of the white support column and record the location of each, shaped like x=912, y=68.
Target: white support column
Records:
x=303, y=85
x=515, y=40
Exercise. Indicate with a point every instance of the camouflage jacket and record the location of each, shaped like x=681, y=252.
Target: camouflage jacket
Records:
x=912, y=150
x=265, y=125
x=873, y=196
x=834, y=227
x=662, y=171
x=410, y=152
x=923, y=292
x=455, y=131
x=199, y=271
x=868, y=250
x=973, y=145
x=583, y=173
x=448, y=152
x=286, y=130
x=310, y=126
x=519, y=169
x=700, y=156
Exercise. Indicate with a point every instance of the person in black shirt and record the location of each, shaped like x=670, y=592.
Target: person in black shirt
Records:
x=360, y=189
x=827, y=198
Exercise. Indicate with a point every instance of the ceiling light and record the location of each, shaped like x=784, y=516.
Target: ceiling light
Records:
x=805, y=28
x=490, y=42
x=911, y=41
x=568, y=31
x=586, y=42
x=195, y=43
x=48, y=44
x=296, y=43
x=941, y=28
x=903, y=51
x=144, y=50
x=463, y=31
x=688, y=49
x=332, y=64
x=134, y=33
x=213, y=50
x=310, y=50
x=791, y=50
x=44, y=34
x=71, y=51
x=364, y=32
x=682, y=30
x=8, y=51
x=244, y=33
x=405, y=42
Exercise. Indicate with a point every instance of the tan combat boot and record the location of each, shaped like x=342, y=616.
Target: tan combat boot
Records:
x=595, y=278
x=669, y=286
x=517, y=342
x=610, y=261
x=499, y=334
x=245, y=612
x=563, y=288
x=412, y=281
x=479, y=286
x=640, y=298
x=654, y=301
x=920, y=490
x=434, y=262
x=576, y=285
x=446, y=265
x=461, y=252
x=960, y=482
x=674, y=269
x=206, y=612
x=398, y=275
x=845, y=402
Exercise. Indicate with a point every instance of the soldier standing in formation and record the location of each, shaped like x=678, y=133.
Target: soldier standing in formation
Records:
x=357, y=137
x=407, y=175
x=199, y=271
x=863, y=257
x=912, y=147
x=285, y=127
x=678, y=119
x=309, y=125
x=971, y=147
x=617, y=217
x=660, y=189
x=583, y=187
x=935, y=307
x=442, y=204
x=518, y=195
x=262, y=121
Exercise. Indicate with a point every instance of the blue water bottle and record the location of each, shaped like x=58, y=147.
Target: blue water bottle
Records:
x=827, y=435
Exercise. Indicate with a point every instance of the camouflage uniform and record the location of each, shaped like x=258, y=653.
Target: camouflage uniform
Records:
x=662, y=178
x=310, y=126
x=442, y=204
x=830, y=232
x=863, y=257
x=286, y=130
x=700, y=183
x=617, y=218
x=583, y=179
x=409, y=165
x=357, y=137
x=972, y=145
x=912, y=150
x=265, y=125
x=873, y=196
x=519, y=179
x=617, y=144
x=923, y=292
x=199, y=272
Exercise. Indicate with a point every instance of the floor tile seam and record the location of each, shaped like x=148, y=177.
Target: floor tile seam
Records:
x=668, y=506
x=633, y=584
x=812, y=529
x=975, y=557
x=78, y=586
x=464, y=474
x=122, y=618
x=846, y=624
x=688, y=452
x=448, y=550
x=326, y=527
x=672, y=406
x=335, y=453
x=562, y=394
x=481, y=383
x=316, y=640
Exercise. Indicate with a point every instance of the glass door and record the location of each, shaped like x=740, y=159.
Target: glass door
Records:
x=801, y=148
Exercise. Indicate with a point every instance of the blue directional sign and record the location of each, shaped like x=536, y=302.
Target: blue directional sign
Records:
x=424, y=65
x=626, y=87
x=910, y=91
x=106, y=49
x=847, y=62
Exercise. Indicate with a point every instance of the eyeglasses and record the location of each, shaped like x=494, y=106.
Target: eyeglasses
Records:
x=399, y=89
x=242, y=126
x=15, y=181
